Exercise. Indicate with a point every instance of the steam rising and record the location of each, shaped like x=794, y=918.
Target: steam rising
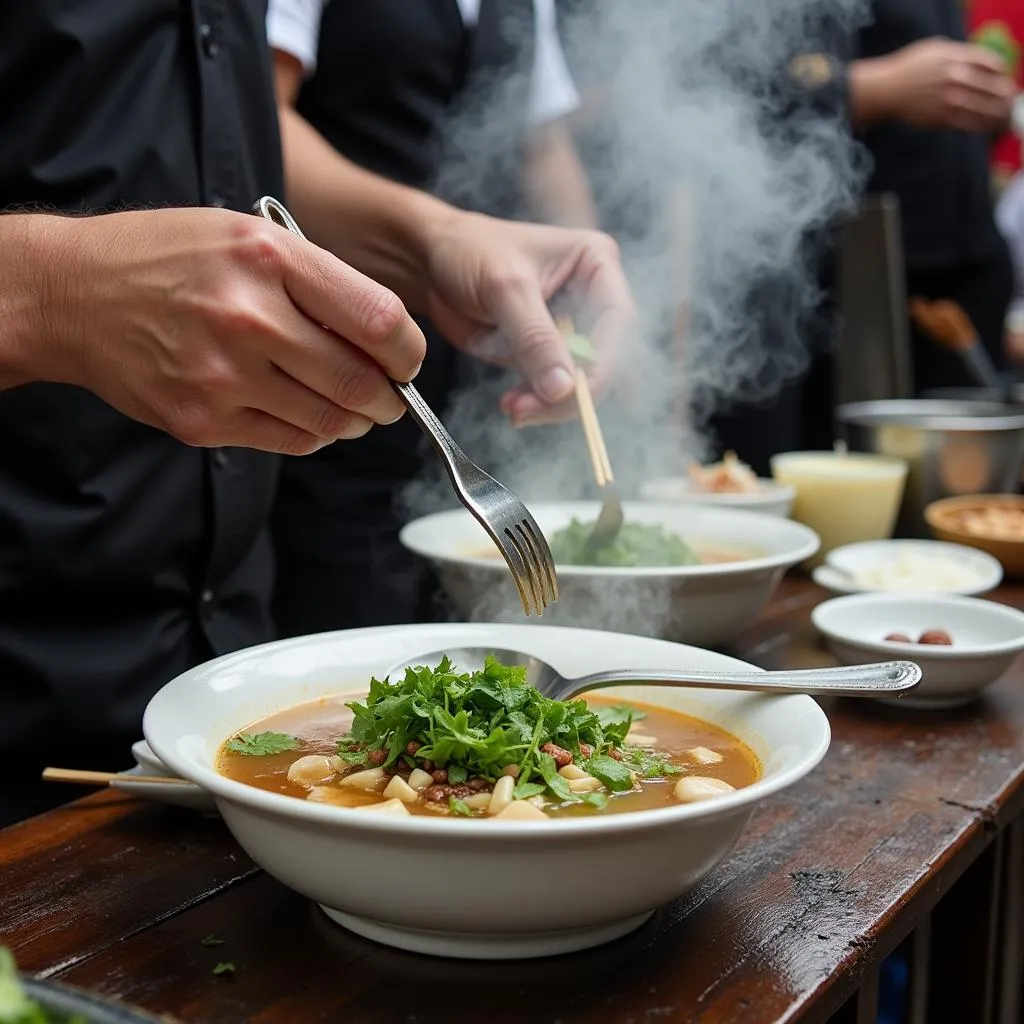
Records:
x=717, y=177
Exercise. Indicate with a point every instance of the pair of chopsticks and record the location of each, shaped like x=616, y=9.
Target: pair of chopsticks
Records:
x=588, y=417
x=85, y=778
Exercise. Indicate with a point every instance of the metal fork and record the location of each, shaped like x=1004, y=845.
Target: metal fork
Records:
x=494, y=506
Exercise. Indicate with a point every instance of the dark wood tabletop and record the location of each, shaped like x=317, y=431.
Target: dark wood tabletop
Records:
x=908, y=835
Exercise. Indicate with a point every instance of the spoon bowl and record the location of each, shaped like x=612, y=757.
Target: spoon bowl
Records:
x=884, y=679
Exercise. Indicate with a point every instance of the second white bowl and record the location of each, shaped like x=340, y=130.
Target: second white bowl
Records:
x=706, y=605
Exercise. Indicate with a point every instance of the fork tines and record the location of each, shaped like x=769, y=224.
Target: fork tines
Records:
x=529, y=559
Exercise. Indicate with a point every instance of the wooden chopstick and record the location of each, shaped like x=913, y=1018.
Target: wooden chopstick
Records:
x=588, y=418
x=101, y=778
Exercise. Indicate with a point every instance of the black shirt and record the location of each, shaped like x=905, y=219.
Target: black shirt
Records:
x=125, y=556
x=941, y=177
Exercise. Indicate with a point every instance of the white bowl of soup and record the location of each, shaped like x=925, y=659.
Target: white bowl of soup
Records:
x=495, y=886
x=742, y=556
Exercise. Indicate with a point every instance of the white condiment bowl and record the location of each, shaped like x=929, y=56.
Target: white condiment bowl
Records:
x=979, y=572
x=481, y=889
x=987, y=637
x=772, y=499
x=707, y=605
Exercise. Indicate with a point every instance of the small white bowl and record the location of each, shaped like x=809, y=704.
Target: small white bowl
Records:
x=773, y=499
x=476, y=889
x=981, y=572
x=706, y=605
x=987, y=637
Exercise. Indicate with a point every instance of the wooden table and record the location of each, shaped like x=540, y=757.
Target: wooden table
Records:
x=909, y=834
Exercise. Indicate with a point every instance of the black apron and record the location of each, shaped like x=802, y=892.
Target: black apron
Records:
x=392, y=79
x=125, y=556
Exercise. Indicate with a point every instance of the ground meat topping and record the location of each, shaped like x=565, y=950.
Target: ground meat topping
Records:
x=560, y=754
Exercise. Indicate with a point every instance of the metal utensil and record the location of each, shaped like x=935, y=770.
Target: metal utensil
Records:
x=886, y=679
x=949, y=326
x=505, y=518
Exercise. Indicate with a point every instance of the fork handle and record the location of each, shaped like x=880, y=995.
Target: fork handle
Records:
x=444, y=444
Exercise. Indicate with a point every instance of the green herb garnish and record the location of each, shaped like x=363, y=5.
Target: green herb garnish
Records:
x=636, y=544
x=261, y=744
x=580, y=348
x=211, y=940
x=649, y=765
x=459, y=807
x=224, y=967
x=477, y=724
x=616, y=775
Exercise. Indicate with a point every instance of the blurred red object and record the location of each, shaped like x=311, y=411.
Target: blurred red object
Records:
x=992, y=14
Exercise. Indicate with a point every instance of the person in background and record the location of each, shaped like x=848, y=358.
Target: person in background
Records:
x=153, y=362
x=396, y=87
x=925, y=102
x=1010, y=218
x=999, y=25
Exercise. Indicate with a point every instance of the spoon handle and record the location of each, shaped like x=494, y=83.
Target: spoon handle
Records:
x=885, y=679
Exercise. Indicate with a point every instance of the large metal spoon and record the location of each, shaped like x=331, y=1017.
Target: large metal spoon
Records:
x=886, y=679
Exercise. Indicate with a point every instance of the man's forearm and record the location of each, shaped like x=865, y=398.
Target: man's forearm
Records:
x=33, y=246
x=870, y=84
x=555, y=181
x=379, y=227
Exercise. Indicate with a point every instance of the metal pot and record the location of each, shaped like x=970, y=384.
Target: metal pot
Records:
x=976, y=395
x=951, y=447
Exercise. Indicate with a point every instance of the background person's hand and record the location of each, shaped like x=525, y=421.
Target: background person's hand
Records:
x=941, y=83
x=489, y=276
x=207, y=324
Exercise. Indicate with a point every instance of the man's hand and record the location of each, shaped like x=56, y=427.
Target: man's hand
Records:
x=489, y=278
x=208, y=324
x=936, y=83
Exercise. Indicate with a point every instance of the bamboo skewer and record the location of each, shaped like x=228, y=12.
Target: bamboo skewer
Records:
x=87, y=778
x=588, y=418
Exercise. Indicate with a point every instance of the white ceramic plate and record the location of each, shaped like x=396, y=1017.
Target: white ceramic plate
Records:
x=975, y=571
x=186, y=795
x=774, y=499
x=391, y=879
x=706, y=605
x=987, y=637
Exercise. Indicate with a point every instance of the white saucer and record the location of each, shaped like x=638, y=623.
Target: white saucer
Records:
x=982, y=573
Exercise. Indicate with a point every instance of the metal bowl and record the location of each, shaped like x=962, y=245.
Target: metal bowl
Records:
x=951, y=448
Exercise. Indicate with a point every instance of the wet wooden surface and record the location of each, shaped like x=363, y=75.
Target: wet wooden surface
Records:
x=831, y=876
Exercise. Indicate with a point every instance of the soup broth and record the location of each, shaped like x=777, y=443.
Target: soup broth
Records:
x=677, y=746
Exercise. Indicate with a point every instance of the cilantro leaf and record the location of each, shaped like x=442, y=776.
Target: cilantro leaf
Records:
x=224, y=967
x=457, y=774
x=580, y=348
x=524, y=790
x=457, y=806
x=614, y=774
x=649, y=764
x=262, y=743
